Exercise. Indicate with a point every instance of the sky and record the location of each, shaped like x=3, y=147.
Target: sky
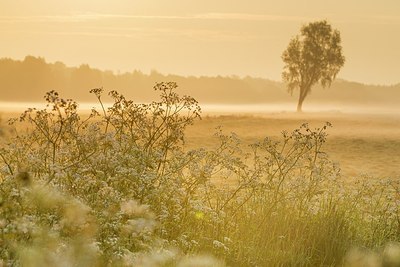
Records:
x=208, y=37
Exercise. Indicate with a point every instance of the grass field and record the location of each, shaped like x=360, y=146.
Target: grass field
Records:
x=123, y=190
x=359, y=143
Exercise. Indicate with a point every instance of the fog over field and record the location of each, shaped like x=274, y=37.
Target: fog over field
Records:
x=246, y=109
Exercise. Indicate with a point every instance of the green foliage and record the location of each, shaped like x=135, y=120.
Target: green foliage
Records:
x=313, y=57
x=118, y=188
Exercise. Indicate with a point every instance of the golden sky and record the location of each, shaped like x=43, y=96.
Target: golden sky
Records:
x=208, y=37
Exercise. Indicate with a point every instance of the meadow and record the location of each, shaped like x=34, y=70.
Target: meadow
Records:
x=361, y=143
x=155, y=185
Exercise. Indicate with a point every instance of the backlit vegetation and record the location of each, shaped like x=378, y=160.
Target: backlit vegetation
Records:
x=119, y=188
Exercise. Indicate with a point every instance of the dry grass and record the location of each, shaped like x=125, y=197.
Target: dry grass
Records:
x=360, y=143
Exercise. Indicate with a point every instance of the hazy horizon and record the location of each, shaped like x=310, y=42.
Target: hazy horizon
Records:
x=199, y=39
x=149, y=72
x=233, y=109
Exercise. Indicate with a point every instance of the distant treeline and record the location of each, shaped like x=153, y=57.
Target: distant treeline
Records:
x=28, y=80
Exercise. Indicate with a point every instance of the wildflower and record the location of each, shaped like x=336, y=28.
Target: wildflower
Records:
x=199, y=215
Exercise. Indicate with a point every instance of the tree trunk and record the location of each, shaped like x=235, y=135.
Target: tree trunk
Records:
x=303, y=94
x=299, y=105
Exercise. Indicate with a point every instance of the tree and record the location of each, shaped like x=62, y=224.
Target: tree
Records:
x=314, y=56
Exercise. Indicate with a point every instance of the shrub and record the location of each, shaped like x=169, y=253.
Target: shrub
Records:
x=119, y=187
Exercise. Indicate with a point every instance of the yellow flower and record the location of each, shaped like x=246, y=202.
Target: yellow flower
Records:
x=199, y=215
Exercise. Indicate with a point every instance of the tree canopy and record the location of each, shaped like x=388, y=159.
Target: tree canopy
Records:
x=314, y=56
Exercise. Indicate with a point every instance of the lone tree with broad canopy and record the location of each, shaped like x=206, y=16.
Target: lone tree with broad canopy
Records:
x=314, y=56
